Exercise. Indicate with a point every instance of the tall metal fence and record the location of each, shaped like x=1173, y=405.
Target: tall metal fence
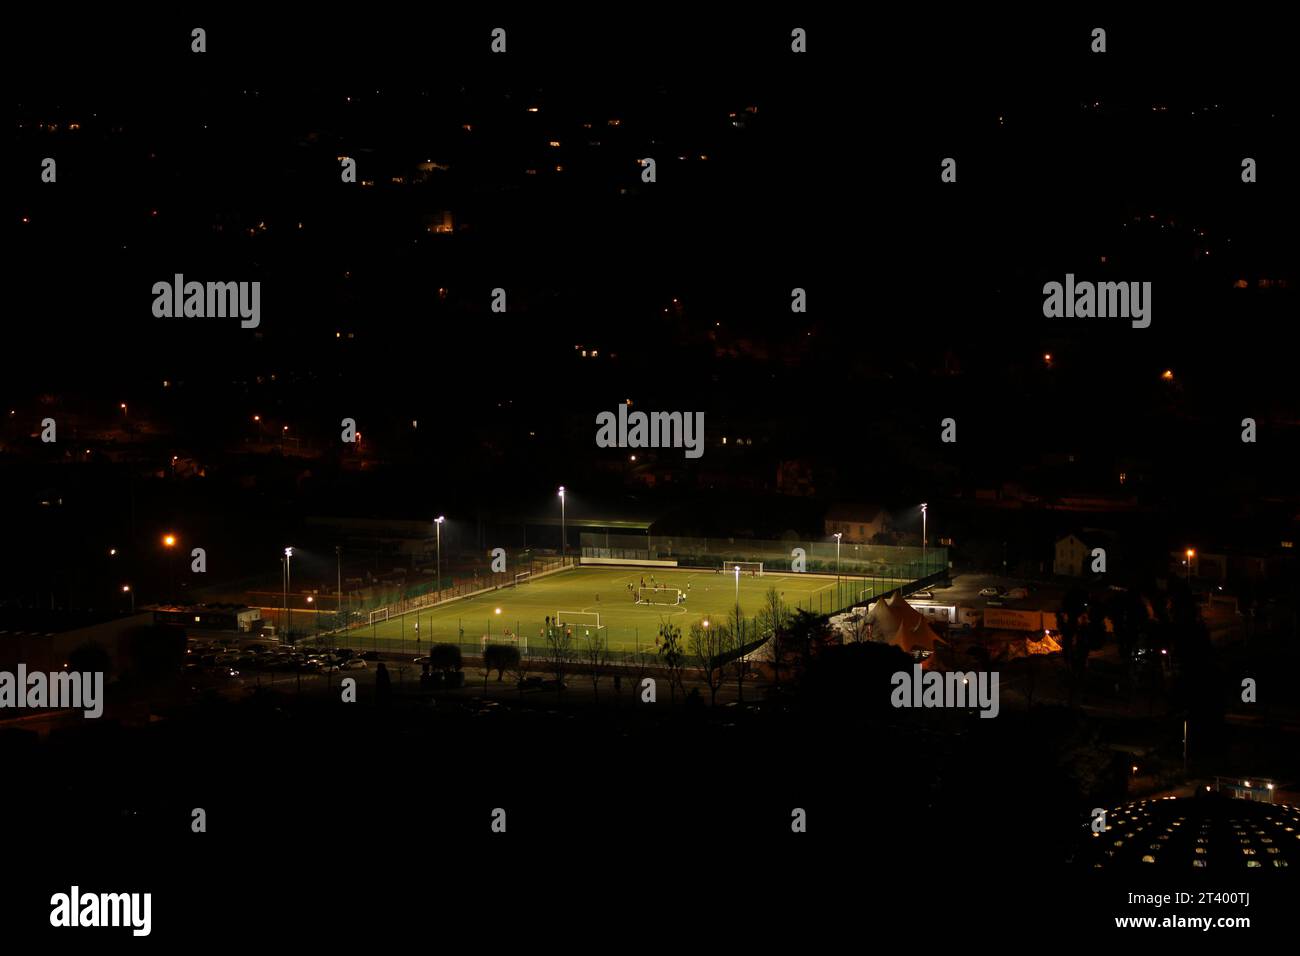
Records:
x=624, y=648
x=881, y=561
x=391, y=599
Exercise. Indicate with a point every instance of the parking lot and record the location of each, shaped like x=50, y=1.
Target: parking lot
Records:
x=965, y=591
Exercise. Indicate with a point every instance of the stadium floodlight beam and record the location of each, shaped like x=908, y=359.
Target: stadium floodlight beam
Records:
x=437, y=523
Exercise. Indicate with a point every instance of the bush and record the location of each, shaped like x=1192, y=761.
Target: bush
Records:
x=89, y=658
x=445, y=657
x=500, y=658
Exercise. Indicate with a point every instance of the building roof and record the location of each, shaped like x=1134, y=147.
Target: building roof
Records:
x=19, y=620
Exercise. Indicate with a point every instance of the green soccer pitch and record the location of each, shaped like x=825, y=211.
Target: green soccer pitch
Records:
x=604, y=590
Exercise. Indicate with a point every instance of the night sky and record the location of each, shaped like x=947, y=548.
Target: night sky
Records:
x=775, y=171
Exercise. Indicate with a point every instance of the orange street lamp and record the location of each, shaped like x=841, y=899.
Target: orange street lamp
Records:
x=169, y=540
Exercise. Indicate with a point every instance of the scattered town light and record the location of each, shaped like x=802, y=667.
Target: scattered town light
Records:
x=169, y=540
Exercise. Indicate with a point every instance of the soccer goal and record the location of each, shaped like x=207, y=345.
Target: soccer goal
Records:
x=512, y=640
x=522, y=577
x=379, y=616
x=575, y=618
x=746, y=567
x=660, y=595
x=581, y=632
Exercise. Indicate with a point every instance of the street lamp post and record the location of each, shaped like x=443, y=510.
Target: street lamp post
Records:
x=169, y=542
x=338, y=595
x=564, y=539
x=126, y=588
x=1191, y=553
x=438, y=524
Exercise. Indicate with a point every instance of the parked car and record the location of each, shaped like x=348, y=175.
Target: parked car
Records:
x=353, y=664
x=989, y=592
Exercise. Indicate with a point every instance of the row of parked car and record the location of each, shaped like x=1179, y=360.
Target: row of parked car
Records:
x=228, y=660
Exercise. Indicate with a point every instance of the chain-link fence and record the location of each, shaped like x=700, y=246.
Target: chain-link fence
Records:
x=881, y=561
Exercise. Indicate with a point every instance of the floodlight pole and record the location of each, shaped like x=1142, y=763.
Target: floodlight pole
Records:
x=288, y=583
x=338, y=599
x=564, y=539
x=924, y=509
x=438, y=524
x=737, y=584
x=838, y=536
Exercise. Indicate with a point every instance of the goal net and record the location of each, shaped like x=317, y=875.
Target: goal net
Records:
x=522, y=577
x=379, y=615
x=746, y=567
x=513, y=640
x=574, y=618
x=659, y=595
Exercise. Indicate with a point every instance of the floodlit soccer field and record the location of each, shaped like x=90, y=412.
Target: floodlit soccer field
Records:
x=579, y=594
